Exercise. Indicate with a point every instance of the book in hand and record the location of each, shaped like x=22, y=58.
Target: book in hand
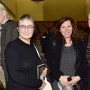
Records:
x=40, y=69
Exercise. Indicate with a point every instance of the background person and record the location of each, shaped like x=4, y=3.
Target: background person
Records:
x=65, y=58
x=22, y=59
x=36, y=36
x=8, y=31
x=45, y=39
x=86, y=42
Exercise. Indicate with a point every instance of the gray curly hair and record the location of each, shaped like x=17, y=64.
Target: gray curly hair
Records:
x=2, y=8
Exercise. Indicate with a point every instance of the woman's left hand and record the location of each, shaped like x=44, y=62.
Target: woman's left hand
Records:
x=74, y=80
x=44, y=73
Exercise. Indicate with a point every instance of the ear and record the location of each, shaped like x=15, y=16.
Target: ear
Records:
x=17, y=28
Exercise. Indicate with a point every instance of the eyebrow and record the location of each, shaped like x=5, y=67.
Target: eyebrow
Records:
x=25, y=25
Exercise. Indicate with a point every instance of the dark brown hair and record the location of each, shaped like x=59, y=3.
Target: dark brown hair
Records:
x=74, y=35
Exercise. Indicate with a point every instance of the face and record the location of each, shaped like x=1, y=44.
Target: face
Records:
x=25, y=29
x=66, y=29
x=89, y=19
x=2, y=15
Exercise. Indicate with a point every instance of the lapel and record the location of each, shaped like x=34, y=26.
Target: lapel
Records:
x=77, y=53
x=59, y=50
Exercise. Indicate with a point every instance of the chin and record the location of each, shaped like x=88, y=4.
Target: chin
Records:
x=28, y=37
x=67, y=37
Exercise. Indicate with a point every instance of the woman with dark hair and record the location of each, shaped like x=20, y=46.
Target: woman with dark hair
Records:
x=65, y=58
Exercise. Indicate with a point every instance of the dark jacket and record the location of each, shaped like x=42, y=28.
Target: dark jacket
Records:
x=53, y=56
x=8, y=33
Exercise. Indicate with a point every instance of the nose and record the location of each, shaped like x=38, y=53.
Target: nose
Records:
x=66, y=29
x=26, y=29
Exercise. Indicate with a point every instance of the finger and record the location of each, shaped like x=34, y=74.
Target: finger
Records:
x=45, y=69
x=66, y=84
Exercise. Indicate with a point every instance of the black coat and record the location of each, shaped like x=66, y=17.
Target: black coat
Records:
x=53, y=56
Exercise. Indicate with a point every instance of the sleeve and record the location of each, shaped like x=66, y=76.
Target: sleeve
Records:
x=82, y=70
x=13, y=31
x=27, y=79
x=8, y=34
x=51, y=57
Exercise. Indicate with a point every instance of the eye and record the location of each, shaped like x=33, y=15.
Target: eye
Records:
x=88, y=19
x=30, y=27
x=22, y=26
x=69, y=26
x=62, y=27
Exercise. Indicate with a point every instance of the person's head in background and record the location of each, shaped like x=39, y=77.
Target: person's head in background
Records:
x=47, y=30
x=4, y=16
x=25, y=26
x=89, y=19
x=67, y=30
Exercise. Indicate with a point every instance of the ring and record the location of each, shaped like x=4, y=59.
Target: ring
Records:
x=72, y=83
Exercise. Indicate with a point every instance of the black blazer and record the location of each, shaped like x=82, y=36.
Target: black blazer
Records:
x=53, y=56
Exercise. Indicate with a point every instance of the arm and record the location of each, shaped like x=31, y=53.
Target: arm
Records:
x=51, y=57
x=8, y=33
x=82, y=67
x=13, y=31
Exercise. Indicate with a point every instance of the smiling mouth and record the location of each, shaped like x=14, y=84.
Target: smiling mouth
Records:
x=67, y=33
x=26, y=34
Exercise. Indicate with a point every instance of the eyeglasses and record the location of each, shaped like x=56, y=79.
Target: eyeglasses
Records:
x=28, y=27
x=89, y=19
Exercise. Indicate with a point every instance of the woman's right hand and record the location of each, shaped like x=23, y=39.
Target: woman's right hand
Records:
x=64, y=81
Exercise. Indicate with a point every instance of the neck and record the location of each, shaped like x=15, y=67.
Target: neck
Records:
x=4, y=21
x=68, y=42
x=27, y=41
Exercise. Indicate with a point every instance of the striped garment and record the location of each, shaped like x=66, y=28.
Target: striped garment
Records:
x=88, y=51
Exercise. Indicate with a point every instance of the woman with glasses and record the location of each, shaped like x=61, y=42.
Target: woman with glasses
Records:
x=22, y=59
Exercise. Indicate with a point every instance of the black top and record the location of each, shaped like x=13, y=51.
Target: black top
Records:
x=68, y=59
x=22, y=60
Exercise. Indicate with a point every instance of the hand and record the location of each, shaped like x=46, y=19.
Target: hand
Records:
x=63, y=80
x=0, y=68
x=74, y=80
x=44, y=73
